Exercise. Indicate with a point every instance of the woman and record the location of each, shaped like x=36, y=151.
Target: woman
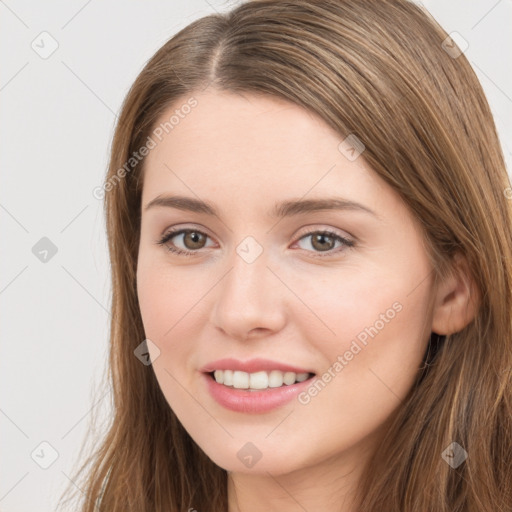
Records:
x=310, y=237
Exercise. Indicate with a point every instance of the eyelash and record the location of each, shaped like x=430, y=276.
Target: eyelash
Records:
x=171, y=234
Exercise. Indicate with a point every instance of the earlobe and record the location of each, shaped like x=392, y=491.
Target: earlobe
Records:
x=456, y=301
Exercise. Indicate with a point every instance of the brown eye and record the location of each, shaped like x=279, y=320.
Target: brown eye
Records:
x=322, y=242
x=325, y=242
x=191, y=239
x=194, y=240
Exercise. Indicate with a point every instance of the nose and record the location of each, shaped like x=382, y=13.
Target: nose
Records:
x=251, y=301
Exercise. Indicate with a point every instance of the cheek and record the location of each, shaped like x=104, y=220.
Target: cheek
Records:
x=166, y=297
x=347, y=304
x=378, y=334
x=371, y=363
x=167, y=306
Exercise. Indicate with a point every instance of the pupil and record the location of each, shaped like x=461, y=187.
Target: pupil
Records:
x=195, y=237
x=321, y=238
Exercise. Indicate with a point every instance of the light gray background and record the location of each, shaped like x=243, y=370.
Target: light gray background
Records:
x=58, y=116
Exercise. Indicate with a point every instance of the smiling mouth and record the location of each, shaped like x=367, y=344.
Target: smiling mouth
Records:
x=258, y=381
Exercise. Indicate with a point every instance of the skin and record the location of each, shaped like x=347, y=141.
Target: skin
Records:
x=243, y=153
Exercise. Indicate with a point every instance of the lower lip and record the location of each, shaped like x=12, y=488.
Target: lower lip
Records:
x=242, y=400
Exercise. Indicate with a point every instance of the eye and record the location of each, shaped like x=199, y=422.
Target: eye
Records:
x=321, y=241
x=324, y=241
x=192, y=237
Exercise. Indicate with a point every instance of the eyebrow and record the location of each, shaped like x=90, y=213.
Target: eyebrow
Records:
x=284, y=209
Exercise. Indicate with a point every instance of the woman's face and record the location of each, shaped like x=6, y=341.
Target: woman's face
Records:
x=262, y=282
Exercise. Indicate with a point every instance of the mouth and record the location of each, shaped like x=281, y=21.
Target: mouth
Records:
x=258, y=381
x=257, y=392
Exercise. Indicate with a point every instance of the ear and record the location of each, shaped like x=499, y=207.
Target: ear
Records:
x=457, y=299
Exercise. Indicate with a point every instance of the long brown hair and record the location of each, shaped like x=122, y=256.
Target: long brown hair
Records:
x=381, y=70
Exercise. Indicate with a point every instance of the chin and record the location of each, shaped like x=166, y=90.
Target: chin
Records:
x=246, y=457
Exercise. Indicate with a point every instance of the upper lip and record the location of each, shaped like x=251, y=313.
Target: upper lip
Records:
x=251, y=366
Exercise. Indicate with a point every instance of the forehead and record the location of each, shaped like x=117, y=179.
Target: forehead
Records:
x=231, y=146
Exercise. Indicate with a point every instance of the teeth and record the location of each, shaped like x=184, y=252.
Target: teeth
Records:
x=301, y=377
x=258, y=380
x=240, y=380
x=228, y=377
x=219, y=376
x=289, y=378
x=275, y=379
